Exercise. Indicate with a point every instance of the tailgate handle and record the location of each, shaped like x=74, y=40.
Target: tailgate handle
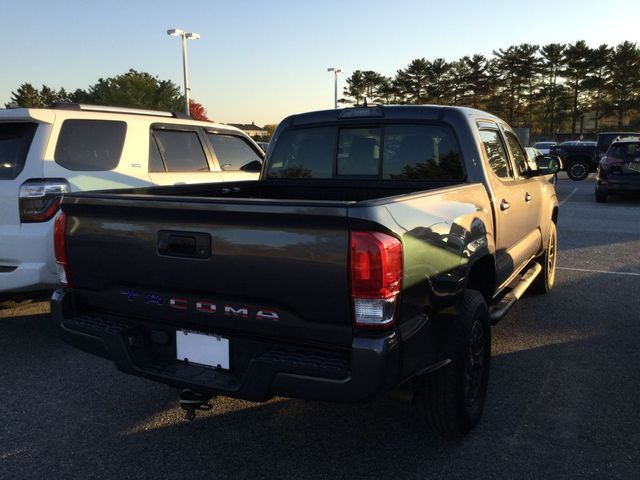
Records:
x=184, y=244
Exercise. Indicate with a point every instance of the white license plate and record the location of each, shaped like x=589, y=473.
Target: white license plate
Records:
x=202, y=349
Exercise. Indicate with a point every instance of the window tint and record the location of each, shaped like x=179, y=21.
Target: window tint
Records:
x=496, y=153
x=402, y=152
x=155, y=159
x=519, y=157
x=421, y=152
x=90, y=145
x=15, y=140
x=624, y=151
x=305, y=153
x=233, y=152
x=181, y=150
x=359, y=151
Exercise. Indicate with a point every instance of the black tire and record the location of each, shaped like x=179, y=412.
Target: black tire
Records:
x=450, y=400
x=578, y=170
x=601, y=197
x=545, y=280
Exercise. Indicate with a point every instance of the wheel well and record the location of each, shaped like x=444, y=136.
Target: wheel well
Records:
x=554, y=215
x=482, y=277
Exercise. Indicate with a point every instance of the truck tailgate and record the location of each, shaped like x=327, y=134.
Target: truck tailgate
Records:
x=254, y=268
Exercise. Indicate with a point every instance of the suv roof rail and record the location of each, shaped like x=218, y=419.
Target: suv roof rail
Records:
x=108, y=109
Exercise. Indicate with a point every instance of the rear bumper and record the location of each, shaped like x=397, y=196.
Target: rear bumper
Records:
x=260, y=369
x=618, y=184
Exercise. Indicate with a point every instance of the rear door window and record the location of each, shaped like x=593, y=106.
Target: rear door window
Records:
x=496, y=154
x=181, y=151
x=518, y=155
x=90, y=145
x=233, y=152
x=15, y=141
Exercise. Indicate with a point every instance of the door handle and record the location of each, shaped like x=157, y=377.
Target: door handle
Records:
x=527, y=197
x=504, y=205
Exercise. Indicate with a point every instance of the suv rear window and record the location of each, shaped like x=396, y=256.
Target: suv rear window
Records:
x=15, y=141
x=395, y=152
x=624, y=151
x=90, y=145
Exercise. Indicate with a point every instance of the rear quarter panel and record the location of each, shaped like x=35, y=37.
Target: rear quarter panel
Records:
x=443, y=232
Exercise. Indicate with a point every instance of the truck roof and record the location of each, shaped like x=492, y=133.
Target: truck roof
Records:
x=392, y=112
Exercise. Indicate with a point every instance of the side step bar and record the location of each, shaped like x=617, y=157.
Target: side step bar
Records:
x=500, y=309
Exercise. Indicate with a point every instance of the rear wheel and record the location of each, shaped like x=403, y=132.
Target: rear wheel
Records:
x=546, y=278
x=578, y=170
x=450, y=400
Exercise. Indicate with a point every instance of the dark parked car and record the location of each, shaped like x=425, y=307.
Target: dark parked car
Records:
x=619, y=169
x=581, y=158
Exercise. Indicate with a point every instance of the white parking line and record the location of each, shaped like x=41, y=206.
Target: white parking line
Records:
x=631, y=274
x=569, y=196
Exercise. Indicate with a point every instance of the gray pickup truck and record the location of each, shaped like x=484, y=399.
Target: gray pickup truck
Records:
x=377, y=248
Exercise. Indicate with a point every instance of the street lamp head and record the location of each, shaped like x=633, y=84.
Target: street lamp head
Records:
x=192, y=36
x=175, y=32
x=330, y=69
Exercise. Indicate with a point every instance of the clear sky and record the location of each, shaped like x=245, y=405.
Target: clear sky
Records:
x=258, y=61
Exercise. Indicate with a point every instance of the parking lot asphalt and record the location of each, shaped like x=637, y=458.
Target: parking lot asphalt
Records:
x=563, y=399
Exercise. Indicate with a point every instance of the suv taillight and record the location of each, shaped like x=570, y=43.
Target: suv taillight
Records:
x=40, y=199
x=60, y=247
x=375, y=264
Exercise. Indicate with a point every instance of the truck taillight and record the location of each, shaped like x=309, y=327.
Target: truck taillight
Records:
x=40, y=199
x=375, y=264
x=60, y=247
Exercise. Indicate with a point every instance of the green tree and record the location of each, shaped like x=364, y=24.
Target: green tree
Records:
x=625, y=80
x=438, y=80
x=414, y=80
x=478, y=81
x=551, y=92
x=528, y=72
x=508, y=66
x=48, y=95
x=356, y=88
x=459, y=80
x=137, y=90
x=576, y=59
x=598, y=79
x=26, y=96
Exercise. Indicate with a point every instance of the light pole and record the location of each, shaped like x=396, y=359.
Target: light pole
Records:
x=176, y=32
x=335, y=71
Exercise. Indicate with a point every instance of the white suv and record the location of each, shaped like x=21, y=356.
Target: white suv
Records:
x=70, y=147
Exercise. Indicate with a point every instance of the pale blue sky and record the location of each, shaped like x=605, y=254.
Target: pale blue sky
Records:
x=262, y=60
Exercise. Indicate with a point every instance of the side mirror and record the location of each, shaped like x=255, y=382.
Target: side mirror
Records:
x=547, y=165
x=254, y=166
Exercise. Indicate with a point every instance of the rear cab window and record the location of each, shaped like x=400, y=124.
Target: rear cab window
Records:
x=15, y=141
x=90, y=145
x=388, y=151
